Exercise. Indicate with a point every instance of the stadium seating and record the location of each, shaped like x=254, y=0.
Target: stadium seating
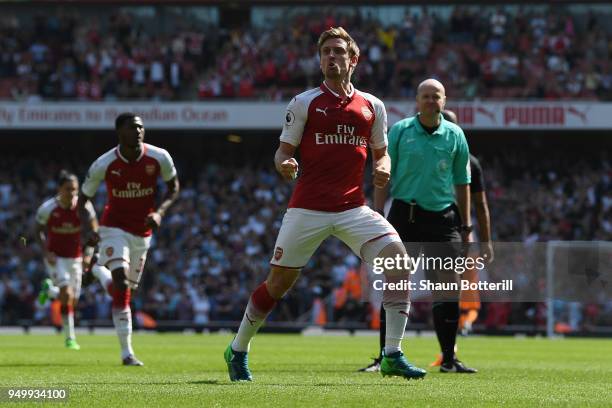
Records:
x=485, y=52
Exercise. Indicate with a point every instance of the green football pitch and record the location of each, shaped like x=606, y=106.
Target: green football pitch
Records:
x=292, y=370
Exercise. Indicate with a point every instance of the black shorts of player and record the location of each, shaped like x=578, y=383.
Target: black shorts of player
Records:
x=435, y=234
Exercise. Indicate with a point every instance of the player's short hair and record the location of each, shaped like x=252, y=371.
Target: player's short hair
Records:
x=339, y=32
x=124, y=117
x=64, y=176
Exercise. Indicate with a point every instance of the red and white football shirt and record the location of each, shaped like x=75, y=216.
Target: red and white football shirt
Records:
x=131, y=186
x=333, y=137
x=63, y=227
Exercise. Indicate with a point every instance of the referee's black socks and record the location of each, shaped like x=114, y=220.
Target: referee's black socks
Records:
x=382, y=331
x=446, y=320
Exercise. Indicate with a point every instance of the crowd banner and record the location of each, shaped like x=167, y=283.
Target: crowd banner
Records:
x=478, y=115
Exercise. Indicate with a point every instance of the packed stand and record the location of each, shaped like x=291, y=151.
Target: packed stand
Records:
x=485, y=52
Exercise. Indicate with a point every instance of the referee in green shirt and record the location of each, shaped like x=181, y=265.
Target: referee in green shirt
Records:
x=430, y=177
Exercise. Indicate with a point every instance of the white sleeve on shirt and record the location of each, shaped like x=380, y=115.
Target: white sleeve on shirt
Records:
x=166, y=165
x=168, y=171
x=295, y=120
x=89, y=208
x=378, y=139
x=44, y=211
x=94, y=177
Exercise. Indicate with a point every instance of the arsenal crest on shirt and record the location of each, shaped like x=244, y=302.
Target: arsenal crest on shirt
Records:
x=367, y=113
x=150, y=169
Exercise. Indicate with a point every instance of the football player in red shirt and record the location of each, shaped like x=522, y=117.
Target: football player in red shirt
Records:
x=130, y=171
x=333, y=126
x=59, y=234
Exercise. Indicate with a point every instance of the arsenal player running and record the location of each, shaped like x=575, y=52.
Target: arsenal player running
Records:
x=332, y=125
x=130, y=172
x=59, y=232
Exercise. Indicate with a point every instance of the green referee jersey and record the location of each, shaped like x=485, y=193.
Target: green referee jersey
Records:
x=425, y=167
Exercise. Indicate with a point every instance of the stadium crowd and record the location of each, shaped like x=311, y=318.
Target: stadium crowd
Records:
x=484, y=51
x=216, y=242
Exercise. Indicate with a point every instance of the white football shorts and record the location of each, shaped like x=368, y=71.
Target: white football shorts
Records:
x=364, y=230
x=66, y=272
x=117, y=244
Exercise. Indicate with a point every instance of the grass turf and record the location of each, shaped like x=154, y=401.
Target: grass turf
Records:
x=290, y=370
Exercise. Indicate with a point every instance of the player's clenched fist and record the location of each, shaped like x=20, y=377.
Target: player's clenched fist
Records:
x=381, y=176
x=289, y=169
x=153, y=220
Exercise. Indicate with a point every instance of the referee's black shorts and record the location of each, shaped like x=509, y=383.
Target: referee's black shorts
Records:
x=435, y=234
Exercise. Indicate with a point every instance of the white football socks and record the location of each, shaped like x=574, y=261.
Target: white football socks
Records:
x=251, y=322
x=397, y=317
x=68, y=324
x=122, y=318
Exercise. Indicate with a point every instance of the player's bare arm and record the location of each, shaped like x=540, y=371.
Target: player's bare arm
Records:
x=462, y=192
x=91, y=234
x=381, y=167
x=380, y=198
x=88, y=251
x=484, y=223
x=153, y=220
x=380, y=193
x=41, y=237
x=284, y=161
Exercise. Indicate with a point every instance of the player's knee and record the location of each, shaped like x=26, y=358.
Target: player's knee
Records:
x=65, y=295
x=119, y=278
x=382, y=247
x=64, y=309
x=277, y=287
x=280, y=280
x=392, y=250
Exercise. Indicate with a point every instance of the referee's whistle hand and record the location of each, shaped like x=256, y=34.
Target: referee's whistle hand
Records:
x=487, y=251
x=381, y=177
